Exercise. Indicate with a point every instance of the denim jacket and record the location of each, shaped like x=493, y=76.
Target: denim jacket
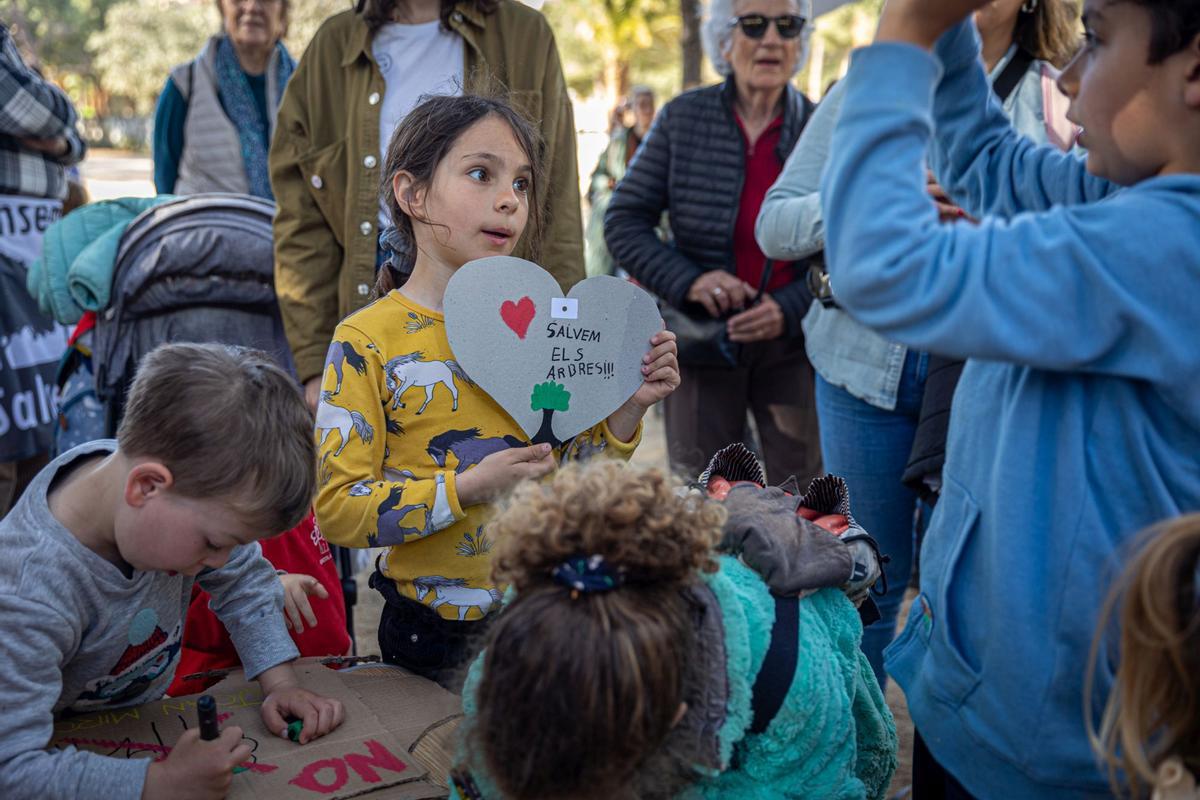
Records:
x=843, y=351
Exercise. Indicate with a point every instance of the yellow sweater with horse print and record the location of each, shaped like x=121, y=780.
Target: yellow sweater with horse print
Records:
x=397, y=421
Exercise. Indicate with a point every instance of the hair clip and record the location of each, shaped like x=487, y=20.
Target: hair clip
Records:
x=587, y=574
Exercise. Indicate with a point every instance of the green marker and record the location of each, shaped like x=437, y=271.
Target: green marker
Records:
x=293, y=730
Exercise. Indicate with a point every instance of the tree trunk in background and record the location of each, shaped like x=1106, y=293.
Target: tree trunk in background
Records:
x=693, y=53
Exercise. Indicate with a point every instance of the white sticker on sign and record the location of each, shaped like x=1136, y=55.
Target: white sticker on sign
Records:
x=564, y=308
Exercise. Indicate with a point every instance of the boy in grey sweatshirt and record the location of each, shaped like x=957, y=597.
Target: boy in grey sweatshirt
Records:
x=215, y=451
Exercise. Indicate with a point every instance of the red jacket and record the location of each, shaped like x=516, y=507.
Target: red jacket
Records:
x=206, y=643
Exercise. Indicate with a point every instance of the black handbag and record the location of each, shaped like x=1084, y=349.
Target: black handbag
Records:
x=703, y=340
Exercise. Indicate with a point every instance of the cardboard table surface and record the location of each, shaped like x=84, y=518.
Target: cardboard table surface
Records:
x=396, y=742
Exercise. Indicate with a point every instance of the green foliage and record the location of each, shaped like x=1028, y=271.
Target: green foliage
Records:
x=56, y=31
x=550, y=396
x=171, y=33
x=630, y=41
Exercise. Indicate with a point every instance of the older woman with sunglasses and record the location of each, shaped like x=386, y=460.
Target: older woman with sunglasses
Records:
x=708, y=160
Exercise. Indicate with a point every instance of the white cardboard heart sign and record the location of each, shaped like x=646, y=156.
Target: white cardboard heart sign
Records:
x=557, y=365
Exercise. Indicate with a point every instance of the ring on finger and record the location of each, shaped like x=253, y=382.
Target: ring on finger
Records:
x=717, y=290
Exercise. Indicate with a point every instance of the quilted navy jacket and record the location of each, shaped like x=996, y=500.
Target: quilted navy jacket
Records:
x=692, y=165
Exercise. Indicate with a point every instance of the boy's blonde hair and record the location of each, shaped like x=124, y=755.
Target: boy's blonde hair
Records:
x=229, y=424
x=1153, y=712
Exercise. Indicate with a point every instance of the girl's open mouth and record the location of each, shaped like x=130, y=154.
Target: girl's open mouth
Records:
x=498, y=236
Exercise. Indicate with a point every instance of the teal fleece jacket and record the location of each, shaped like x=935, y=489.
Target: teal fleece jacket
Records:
x=833, y=737
x=1077, y=419
x=79, y=253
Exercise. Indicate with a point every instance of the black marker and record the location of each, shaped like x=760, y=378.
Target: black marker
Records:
x=206, y=707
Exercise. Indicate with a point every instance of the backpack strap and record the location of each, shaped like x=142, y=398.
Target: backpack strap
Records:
x=774, y=680
x=1010, y=76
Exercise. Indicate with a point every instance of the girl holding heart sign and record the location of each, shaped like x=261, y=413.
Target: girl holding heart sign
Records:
x=413, y=452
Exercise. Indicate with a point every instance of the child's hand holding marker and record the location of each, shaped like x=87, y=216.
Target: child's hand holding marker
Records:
x=285, y=697
x=197, y=769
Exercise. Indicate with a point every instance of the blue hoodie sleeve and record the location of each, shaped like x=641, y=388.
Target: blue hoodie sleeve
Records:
x=1067, y=289
x=980, y=159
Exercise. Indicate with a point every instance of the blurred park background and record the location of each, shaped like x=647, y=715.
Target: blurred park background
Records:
x=113, y=56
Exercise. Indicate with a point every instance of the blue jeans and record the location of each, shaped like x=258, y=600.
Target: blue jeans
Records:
x=869, y=447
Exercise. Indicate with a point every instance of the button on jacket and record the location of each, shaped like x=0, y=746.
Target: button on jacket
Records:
x=326, y=172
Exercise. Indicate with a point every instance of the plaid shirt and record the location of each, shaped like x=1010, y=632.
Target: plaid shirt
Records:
x=32, y=107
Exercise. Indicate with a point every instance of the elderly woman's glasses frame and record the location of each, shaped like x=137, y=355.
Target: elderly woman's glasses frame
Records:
x=755, y=25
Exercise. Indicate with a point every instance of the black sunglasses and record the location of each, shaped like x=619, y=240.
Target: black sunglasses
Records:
x=755, y=25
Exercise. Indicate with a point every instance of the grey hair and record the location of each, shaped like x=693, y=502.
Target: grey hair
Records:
x=639, y=90
x=716, y=32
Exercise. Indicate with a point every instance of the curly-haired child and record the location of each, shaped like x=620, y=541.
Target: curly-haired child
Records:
x=1150, y=729
x=626, y=663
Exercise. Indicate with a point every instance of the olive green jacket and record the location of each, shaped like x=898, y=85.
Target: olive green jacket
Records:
x=325, y=163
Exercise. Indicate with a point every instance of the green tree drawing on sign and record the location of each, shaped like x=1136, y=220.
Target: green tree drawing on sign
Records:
x=549, y=397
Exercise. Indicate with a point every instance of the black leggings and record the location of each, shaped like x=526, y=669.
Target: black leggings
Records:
x=930, y=780
x=414, y=636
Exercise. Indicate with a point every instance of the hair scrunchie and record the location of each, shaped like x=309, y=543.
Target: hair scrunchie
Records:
x=587, y=574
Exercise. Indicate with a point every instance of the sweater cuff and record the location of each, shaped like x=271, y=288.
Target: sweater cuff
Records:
x=264, y=645
x=890, y=75
x=622, y=449
x=450, y=479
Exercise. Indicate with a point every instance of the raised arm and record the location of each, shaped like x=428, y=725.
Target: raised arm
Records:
x=790, y=225
x=1066, y=289
x=980, y=160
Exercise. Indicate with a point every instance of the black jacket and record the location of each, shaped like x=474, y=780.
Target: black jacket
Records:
x=692, y=165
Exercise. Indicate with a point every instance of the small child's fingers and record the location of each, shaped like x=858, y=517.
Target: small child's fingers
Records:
x=663, y=374
x=292, y=615
x=240, y=754
x=269, y=711
x=306, y=611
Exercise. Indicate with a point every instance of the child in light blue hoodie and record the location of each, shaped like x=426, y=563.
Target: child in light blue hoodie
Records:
x=1077, y=420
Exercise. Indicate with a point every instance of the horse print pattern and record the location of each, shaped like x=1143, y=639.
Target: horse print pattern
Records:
x=396, y=399
x=455, y=592
x=467, y=447
x=404, y=372
x=389, y=529
x=332, y=418
x=343, y=353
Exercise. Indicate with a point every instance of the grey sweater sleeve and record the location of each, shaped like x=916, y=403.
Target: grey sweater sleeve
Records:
x=31, y=664
x=790, y=224
x=248, y=599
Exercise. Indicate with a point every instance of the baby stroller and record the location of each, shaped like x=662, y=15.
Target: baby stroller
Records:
x=195, y=269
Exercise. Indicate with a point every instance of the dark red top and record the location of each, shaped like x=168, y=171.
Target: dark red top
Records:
x=762, y=168
x=206, y=643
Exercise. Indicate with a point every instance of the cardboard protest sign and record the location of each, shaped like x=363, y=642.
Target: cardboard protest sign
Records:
x=557, y=364
x=397, y=740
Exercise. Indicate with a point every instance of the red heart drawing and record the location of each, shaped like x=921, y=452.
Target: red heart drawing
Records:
x=518, y=315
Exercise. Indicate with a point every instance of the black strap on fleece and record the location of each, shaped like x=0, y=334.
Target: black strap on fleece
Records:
x=774, y=680
x=1013, y=71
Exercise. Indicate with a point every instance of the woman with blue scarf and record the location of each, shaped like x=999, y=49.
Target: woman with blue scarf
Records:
x=223, y=103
